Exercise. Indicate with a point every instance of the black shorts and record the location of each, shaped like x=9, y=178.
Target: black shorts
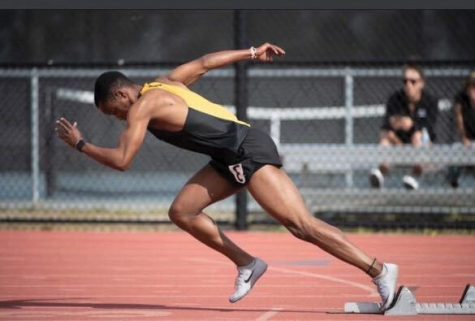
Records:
x=257, y=149
x=404, y=136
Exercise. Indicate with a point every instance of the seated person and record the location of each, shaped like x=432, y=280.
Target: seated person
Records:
x=464, y=109
x=410, y=118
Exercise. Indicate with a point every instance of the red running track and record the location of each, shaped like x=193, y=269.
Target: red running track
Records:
x=169, y=276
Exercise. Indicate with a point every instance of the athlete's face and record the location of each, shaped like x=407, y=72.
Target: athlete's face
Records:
x=413, y=85
x=118, y=106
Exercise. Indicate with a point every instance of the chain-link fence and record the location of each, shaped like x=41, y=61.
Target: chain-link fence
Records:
x=326, y=122
x=325, y=117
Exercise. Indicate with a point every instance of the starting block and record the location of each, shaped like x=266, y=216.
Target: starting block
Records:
x=405, y=304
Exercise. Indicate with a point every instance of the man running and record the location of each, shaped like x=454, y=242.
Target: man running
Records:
x=241, y=156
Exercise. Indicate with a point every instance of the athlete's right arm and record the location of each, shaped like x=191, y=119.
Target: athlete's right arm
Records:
x=130, y=142
x=192, y=71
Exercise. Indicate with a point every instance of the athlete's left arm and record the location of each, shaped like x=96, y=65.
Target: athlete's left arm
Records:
x=130, y=142
x=192, y=71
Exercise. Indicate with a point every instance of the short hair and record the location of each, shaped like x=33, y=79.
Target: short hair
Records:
x=107, y=83
x=415, y=67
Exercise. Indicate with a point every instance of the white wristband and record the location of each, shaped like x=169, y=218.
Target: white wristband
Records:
x=253, y=53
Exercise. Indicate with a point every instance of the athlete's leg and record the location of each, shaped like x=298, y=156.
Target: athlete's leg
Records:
x=277, y=194
x=206, y=187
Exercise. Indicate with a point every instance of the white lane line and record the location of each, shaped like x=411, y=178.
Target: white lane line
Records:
x=371, y=290
x=119, y=314
x=187, y=296
x=269, y=314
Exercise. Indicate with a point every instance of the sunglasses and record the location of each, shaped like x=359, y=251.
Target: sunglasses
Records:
x=412, y=81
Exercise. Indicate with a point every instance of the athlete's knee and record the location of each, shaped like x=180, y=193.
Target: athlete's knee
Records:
x=178, y=214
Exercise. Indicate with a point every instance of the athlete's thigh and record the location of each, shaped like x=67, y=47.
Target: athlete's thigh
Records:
x=273, y=189
x=206, y=187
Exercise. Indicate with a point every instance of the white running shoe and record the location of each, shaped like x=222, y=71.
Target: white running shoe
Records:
x=410, y=182
x=386, y=283
x=376, y=178
x=247, y=277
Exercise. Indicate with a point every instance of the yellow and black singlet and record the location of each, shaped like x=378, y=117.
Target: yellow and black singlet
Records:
x=209, y=128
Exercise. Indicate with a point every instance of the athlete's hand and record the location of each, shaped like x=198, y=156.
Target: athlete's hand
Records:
x=267, y=51
x=68, y=132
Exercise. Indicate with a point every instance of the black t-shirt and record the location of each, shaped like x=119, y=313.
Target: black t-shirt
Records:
x=468, y=113
x=424, y=115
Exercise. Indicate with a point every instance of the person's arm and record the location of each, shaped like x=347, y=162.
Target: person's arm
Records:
x=119, y=158
x=392, y=110
x=192, y=71
x=388, y=138
x=398, y=122
x=394, y=120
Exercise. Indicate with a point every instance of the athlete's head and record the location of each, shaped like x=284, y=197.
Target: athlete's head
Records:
x=114, y=93
x=414, y=82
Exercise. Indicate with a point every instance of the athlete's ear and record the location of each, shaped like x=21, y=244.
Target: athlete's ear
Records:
x=120, y=93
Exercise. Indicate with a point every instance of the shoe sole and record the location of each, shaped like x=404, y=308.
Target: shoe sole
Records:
x=253, y=281
x=409, y=187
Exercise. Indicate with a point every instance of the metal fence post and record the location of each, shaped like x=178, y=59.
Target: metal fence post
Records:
x=241, y=102
x=35, y=136
x=349, y=119
x=49, y=147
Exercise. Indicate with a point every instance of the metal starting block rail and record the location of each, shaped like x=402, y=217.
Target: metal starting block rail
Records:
x=405, y=304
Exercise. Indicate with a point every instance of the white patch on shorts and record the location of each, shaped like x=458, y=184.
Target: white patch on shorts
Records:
x=238, y=173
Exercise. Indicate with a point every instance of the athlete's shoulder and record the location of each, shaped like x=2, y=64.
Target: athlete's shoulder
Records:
x=154, y=95
x=162, y=85
x=142, y=106
x=168, y=81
